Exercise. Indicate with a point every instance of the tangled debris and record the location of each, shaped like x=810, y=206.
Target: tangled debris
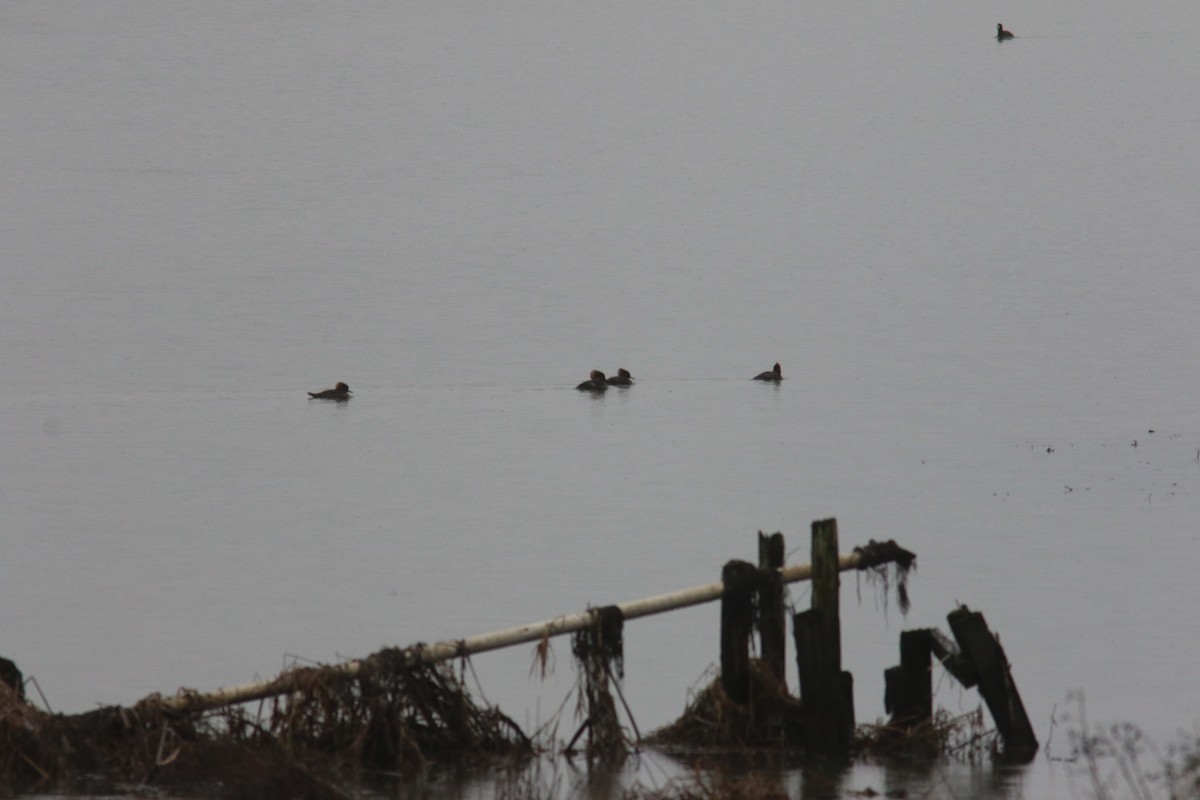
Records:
x=771, y=718
x=964, y=737
x=394, y=715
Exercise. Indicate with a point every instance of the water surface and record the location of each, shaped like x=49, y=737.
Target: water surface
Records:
x=975, y=261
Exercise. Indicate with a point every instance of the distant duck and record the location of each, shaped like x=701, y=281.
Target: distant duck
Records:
x=1002, y=34
x=596, y=384
x=340, y=392
x=622, y=378
x=775, y=375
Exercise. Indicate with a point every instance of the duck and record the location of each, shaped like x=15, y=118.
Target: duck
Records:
x=1002, y=34
x=596, y=384
x=622, y=378
x=341, y=392
x=775, y=375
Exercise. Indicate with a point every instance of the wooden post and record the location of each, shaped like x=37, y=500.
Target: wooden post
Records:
x=982, y=649
x=826, y=693
x=909, y=687
x=826, y=584
x=772, y=621
x=11, y=676
x=737, y=623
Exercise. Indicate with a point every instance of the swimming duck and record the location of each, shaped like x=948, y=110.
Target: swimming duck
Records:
x=1002, y=34
x=339, y=392
x=775, y=375
x=622, y=378
x=596, y=384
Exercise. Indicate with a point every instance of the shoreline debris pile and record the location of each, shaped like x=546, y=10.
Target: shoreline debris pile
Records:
x=394, y=714
x=712, y=720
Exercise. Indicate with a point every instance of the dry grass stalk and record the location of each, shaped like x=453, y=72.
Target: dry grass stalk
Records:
x=964, y=737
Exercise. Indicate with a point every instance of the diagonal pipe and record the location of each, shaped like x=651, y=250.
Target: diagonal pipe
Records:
x=872, y=555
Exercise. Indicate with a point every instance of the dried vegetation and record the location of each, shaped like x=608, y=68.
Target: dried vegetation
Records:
x=714, y=721
x=392, y=716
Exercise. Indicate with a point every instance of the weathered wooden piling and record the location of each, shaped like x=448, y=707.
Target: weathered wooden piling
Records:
x=11, y=677
x=983, y=650
x=826, y=692
x=908, y=695
x=976, y=660
x=772, y=619
x=741, y=581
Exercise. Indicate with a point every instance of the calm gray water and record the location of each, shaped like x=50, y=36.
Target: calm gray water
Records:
x=976, y=262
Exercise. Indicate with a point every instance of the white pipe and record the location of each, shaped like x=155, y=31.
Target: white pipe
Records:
x=532, y=632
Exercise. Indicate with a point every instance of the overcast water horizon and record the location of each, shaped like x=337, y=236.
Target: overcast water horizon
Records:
x=974, y=260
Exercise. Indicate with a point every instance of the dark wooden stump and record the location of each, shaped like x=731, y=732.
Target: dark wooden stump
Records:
x=11, y=675
x=982, y=649
x=909, y=687
x=737, y=624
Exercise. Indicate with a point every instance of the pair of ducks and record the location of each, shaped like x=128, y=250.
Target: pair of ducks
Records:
x=598, y=383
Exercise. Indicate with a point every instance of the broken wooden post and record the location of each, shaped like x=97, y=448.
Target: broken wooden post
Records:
x=908, y=695
x=737, y=622
x=772, y=621
x=982, y=649
x=826, y=693
x=11, y=676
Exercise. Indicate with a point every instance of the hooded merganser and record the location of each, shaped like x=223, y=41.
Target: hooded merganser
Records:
x=775, y=375
x=622, y=378
x=1002, y=34
x=339, y=392
x=596, y=384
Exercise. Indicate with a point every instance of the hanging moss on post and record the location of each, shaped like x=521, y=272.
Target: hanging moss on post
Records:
x=598, y=651
x=886, y=563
